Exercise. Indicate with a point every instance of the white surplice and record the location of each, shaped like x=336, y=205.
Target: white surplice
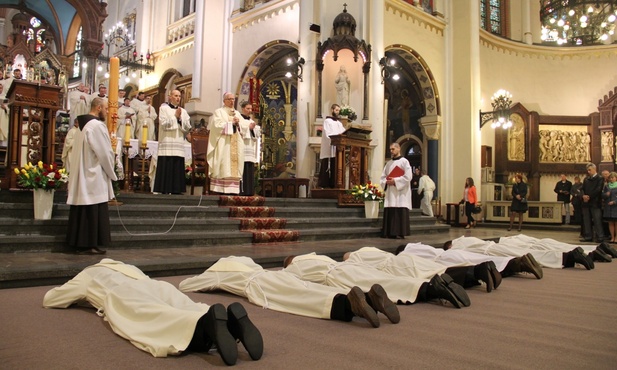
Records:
x=454, y=257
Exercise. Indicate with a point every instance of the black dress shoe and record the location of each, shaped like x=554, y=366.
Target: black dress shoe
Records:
x=530, y=265
x=242, y=329
x=217, y=332
x=599, y=256
x=608, y=249
x=482, y=273
x=458, y=291
x=495, y=274
x=361, y=308
x=578, y=255
x=443, y=287
x=379, y=301
x=586, y=240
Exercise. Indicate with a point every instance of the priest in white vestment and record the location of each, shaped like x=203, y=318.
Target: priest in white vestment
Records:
x=89, y=187
x=154, y=315
x=79, y=102
x=67, y=148
x=126, y=115
x=174, y=124
x=327, y=152
x=146, y=117
x=4, y=117
x=396, y=182
x=251, y=134
x=225, y=148
x=283, y=292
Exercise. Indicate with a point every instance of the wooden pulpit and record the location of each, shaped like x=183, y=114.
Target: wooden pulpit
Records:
x=351, y=163
x=32, y=125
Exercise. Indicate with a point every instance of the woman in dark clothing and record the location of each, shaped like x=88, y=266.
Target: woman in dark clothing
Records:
x=519, y=201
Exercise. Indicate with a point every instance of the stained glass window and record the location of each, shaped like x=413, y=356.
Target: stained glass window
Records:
x=35, y=30
x=77, y=63
x=492, y=15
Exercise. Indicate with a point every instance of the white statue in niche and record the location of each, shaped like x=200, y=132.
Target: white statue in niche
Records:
x=607, y=146
x=343, y=85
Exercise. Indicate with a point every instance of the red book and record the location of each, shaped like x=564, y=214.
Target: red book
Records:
x=396, y=172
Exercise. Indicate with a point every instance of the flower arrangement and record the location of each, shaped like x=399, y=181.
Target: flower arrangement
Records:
x=349, y=112
x=367, y=192
x=42, y=176
x=188, y=172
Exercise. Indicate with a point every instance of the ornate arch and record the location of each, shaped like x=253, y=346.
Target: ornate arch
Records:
x=257, y=62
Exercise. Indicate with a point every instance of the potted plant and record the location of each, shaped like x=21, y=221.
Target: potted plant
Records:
x=43, y=179
x=348, y=113
x=371, y=195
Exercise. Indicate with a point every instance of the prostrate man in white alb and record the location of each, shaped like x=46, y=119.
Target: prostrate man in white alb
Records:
x=396, y=181
x=324, y=270
x=283, y=292
x=426, y=186
x=155, y=316
x=409, y=265
x=226, y=148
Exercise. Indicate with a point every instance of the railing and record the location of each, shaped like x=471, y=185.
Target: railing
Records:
x=181, y=29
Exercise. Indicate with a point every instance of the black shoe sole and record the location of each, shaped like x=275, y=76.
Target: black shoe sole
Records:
x=484, y=274
x=361, y=308
x=495, y=274
x=216, y=330
x=458, y=291
x=599, y=256
x=381, y=303
x=529, y=264
x=607, y=249
x=243, y=329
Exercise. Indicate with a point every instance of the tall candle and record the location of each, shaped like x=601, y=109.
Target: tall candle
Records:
x=127, y=131
x=144, y=135
x=114, y=77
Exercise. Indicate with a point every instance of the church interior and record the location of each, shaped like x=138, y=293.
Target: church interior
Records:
x=487, y=89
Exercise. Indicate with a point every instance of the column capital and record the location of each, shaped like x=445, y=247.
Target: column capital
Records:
x=431, y=127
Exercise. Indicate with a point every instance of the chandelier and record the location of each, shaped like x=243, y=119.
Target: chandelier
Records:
x=500, y=101
x=126, y=50
x=577, y=22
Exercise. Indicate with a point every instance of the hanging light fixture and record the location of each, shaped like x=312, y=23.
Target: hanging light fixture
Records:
x=500, y=101
x=578, y=22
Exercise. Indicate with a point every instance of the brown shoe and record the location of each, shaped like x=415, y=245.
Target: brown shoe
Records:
x=530, y=265
x=379, y=301
x=361, y=308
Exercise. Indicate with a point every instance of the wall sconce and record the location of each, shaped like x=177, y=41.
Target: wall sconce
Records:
x=389, y=70
x=500, y=115
x=299, y=68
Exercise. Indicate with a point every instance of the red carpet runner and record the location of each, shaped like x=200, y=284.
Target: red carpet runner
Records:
x=258, y=220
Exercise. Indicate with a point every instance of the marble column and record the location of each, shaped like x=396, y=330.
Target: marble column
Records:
x=305, y=157
x=376, y=89
x=431, y=129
